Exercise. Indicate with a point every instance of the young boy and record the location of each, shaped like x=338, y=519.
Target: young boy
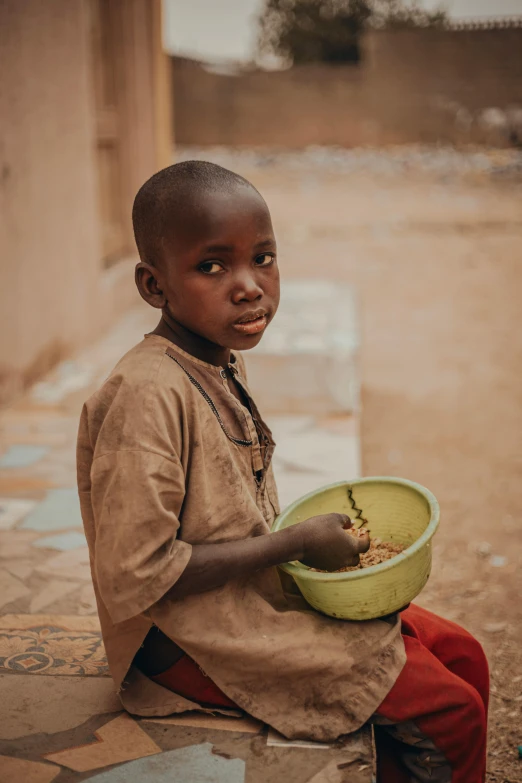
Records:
x=178, y=496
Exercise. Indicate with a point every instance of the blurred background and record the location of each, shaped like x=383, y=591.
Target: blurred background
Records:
x=386, y=137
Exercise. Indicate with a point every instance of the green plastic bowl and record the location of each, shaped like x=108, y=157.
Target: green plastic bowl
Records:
x=397, y=510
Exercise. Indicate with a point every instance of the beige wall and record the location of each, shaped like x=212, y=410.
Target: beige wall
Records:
x=54, y=293
x=412, y=86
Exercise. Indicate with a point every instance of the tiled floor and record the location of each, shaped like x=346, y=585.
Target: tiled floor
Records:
x=59, y=717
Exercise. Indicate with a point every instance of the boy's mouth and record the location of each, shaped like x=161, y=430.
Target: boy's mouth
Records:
x=252, y=322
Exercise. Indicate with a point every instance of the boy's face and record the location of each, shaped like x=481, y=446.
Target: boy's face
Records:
x=218, y=274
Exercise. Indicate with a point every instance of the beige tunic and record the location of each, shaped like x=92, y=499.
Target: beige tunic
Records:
x=168, y=458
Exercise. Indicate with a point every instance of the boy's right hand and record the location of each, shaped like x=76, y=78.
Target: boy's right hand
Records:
x=326, y=544
x=320, y=542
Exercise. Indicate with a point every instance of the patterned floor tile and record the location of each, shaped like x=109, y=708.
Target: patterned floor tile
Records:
x=53, y=591
x=24, y=417
x=12, y=510
x=15, y=543
x=39, y=705
x=45, y=647
x=68, y=565
x=22, y=456
x=196, y=763
x=62, y=541
x=121, y=739
x=87, y=600
x=59, y=466
x=19, y=567
x=25, y=434
x=16, y=770
x=25, y=483
x=245, y=725
x=21, y=622
x=68, y=377
x=11, y=588
x=59, y=510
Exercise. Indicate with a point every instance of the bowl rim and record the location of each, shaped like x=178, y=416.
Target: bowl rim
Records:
x=301, y=571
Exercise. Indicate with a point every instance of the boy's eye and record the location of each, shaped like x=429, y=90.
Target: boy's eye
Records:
x=265, y=259
x=211, y=267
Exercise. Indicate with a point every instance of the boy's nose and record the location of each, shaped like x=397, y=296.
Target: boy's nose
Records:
x=246, y=289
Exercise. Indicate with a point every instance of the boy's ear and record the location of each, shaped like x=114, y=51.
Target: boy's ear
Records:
x=146, y=277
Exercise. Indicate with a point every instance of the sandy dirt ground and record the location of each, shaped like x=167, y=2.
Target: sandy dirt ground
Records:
x=437, y=264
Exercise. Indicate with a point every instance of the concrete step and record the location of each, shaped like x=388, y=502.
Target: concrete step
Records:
x=308, y=360
x=313, y=451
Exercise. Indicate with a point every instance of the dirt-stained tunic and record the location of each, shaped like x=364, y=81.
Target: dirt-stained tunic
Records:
x=168, y=458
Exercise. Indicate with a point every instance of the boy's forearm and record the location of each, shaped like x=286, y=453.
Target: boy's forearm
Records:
x=211, y=565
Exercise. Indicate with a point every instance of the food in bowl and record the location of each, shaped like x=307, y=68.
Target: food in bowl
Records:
x=399, y=511
x=379, y=552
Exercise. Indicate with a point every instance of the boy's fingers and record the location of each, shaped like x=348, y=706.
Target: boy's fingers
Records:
x=363, y=543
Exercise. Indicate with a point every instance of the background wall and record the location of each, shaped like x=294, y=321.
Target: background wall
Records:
x=49, y=251
x=56, y=293
x=412, y=86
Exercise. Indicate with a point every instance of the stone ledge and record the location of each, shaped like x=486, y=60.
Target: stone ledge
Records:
x=307, y=362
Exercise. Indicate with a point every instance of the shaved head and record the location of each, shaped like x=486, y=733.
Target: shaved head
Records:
x=208, y=258
x=170, y=195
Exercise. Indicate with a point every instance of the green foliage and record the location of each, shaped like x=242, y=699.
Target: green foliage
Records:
x=399, y=14
x=304, y=31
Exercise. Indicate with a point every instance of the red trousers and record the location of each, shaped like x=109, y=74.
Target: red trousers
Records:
x=432, y=724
